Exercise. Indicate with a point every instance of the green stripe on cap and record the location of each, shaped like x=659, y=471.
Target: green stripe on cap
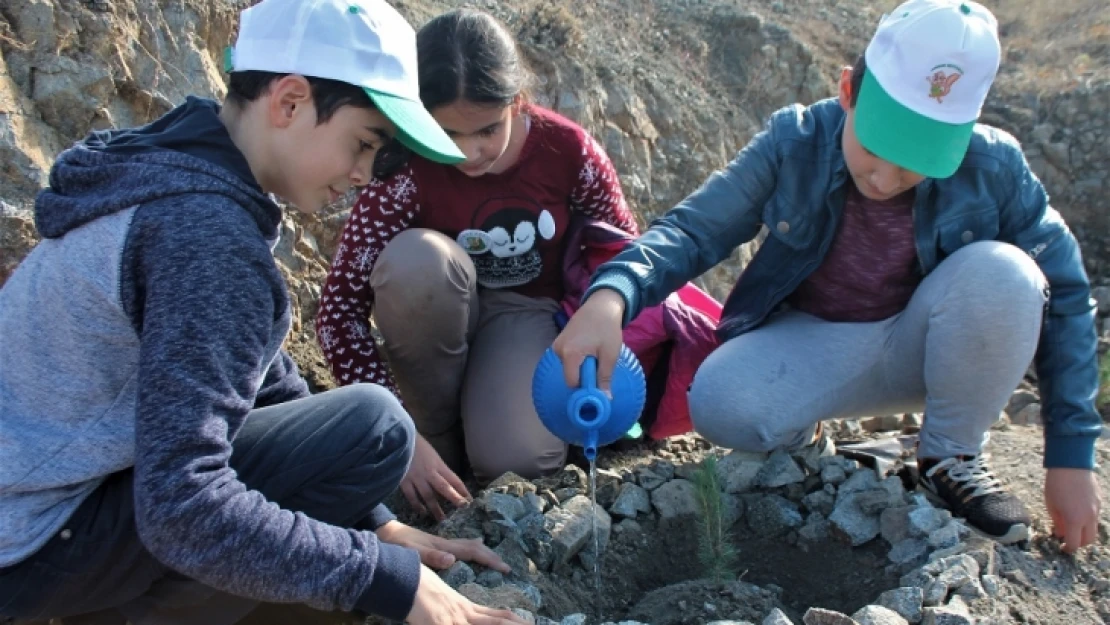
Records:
x=906, y=138
x=416, y=128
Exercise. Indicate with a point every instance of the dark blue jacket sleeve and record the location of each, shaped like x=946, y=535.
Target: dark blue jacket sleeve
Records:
x=1067, y=357
x=698, y=233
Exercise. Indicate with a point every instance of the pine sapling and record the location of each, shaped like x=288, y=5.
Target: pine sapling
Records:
x=716, y=553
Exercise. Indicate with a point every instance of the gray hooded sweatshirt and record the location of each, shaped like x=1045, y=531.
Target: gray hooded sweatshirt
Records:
x=139, y=333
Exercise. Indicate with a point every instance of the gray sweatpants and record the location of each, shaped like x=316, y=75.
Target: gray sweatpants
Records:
x=956, y=352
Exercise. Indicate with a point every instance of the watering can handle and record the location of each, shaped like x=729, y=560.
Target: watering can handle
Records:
x=587, y=374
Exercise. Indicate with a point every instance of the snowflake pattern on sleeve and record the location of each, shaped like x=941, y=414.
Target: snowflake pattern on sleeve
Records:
x=383, y=209
x=597, y=192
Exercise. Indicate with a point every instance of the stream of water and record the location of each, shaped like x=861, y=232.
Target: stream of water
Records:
x=597, y=541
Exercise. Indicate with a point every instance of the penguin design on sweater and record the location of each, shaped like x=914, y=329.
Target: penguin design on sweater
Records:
x=504, y=244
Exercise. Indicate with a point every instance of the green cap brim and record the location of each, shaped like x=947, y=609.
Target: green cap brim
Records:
x=906, y=138
x=417, y=129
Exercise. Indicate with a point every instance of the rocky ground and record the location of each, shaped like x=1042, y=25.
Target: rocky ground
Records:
x=672, y=88
x=817, y=541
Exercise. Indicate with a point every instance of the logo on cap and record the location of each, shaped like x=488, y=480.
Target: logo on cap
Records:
x=940, y=83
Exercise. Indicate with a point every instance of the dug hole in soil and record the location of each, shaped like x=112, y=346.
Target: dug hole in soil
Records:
x=807, y=532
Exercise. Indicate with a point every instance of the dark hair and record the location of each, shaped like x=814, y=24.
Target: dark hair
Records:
x=467, y=54
x=857, y=78
x=464, y=54
x=327, y=95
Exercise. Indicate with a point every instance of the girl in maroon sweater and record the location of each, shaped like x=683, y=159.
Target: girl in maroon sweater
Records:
x=461, y=266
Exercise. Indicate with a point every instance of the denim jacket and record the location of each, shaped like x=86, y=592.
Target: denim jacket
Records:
x=792, y=178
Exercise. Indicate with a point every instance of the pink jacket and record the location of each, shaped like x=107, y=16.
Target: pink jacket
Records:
x=670, y=339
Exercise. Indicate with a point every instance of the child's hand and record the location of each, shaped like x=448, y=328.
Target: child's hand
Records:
x=438, y=604
x=428, y=479
x=1073, y=501
x=594, y=330
x=438, y=552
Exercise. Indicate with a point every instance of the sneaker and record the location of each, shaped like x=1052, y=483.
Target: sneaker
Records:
x=966, y=486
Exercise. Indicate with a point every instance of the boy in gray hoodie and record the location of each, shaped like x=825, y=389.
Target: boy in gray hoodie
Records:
x=163, y=459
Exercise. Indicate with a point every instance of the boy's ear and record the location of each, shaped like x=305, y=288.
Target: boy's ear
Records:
x=844, y=89
x=290, y=96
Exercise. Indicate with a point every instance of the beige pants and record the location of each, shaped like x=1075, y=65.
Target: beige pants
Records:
x=463, y=358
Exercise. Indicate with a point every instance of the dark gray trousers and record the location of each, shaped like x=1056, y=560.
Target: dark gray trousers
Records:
x=319, y=455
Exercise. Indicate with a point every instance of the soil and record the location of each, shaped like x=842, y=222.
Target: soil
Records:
x=653, y=574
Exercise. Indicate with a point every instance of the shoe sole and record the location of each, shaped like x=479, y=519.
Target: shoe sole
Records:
x=1017, y=533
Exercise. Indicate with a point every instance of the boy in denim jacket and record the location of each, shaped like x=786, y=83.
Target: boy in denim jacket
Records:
x=912, y=263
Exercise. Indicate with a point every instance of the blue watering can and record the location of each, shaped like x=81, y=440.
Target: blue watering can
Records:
x=585, y=416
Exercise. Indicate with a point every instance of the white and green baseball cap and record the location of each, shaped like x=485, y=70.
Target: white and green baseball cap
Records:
x=929, y=68
x=365, y=43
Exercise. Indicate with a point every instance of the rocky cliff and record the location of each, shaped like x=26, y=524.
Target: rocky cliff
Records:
x=671, y=88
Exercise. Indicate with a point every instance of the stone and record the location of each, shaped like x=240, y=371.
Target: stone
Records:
x=864, y=479
x=663, y=468
x=895, y=491
x=936, y=592
x=632, y=500
x=972, y=590
x=732, y=509
x=910, y=551
x=821, y=616
x=772, y=515
x=563, y=494
x=628, y=526
x=533, y=504
x=917, y=577
x=574, y=619
x=849, y=466
x=873, y=502
x=1029, y=415
x=737, y=471
x=992, y=585
x=512, y=551
x=819, y=501
x=925, y=520
x=608, y=487
x=675, y=499
x=814, y=533
x=777, y=617
x=458, y=574
x=1019, y=400
x=906, y=602
x=531, y=592
x=490, y=578
x=946, y=615
x=850, y=522
x=833, y=474
x=501, y=507
x=878, y=615
x=894, y=524
x=945, y=537
x=496, y=531
x=648, y=479
x=537, y=540
x=510, y=483
x=570, y=526
x=503, y=597
x=954, y=571
x=779, y=470
x=525, y=615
